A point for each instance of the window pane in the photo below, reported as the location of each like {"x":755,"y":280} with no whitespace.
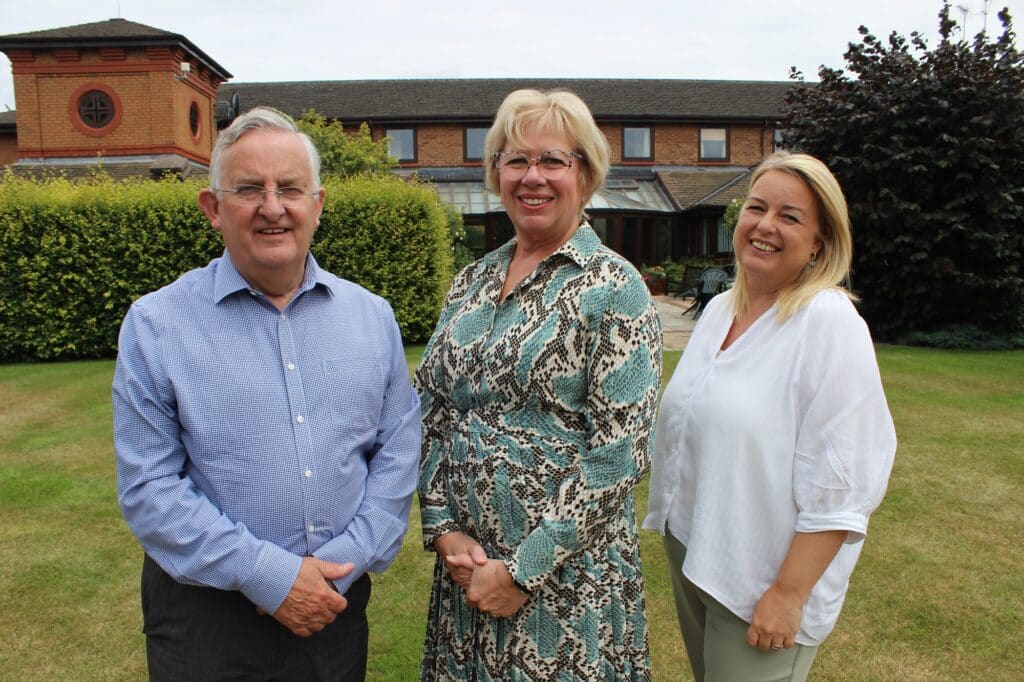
{"x":504,"y":230}
{"x":712,"y":143}
{"x":96,"y":109}
{"x":475,"y":143}
{"x":724,"y":237}
{"x":636,"y":143}
{"x":401,"y":143}
{"x":193,"y":118}
{"x":663,"y":240}
{"x":475,"y":240}
{"x":630,"y":239}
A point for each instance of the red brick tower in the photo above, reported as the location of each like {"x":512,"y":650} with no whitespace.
{"x":135,"y":98}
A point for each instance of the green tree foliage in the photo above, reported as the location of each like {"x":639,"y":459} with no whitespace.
{"x":392,"y":237}
{"x":74,"y":255}
{"x":929,"y":148}
{"x":342,"y":154}
{"x":732,"y":214}
{"x":461,"y":253}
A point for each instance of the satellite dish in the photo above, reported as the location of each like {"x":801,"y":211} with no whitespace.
{"x":235,"y":106}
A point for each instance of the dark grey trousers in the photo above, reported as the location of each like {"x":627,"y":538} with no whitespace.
{"x":201,"y":633}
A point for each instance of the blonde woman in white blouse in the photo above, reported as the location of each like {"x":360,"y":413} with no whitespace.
{"x":774,"y":441}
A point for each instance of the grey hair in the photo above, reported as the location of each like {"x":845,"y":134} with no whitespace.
{"x":260,"y":118}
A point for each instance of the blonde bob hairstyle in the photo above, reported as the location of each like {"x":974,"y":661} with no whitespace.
{"x":832,"y":262}
{"x":556,"y":112}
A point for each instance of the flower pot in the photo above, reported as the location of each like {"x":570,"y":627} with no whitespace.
{"x":658,"y":286}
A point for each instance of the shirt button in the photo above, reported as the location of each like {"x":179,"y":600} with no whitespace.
{"x":300,"y":419}
{"x":283,"y":316}
{"x":312,"y":529}
{"x":291,"y":366}
{"x":309,"y":474}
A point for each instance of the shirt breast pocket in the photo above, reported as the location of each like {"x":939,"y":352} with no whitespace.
{"x":353,"y":387}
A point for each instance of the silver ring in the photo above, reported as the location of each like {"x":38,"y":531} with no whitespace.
{"x":776,"y":647}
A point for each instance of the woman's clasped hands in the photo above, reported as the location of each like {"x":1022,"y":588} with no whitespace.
{"x":488,"y":584}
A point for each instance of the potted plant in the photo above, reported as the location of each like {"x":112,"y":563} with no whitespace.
{"x":656,"y":279}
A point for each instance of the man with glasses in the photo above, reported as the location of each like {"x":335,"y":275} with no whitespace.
{"x":266,"y":432}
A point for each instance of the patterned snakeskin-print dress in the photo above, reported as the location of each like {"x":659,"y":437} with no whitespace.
{"x":538,"y":414}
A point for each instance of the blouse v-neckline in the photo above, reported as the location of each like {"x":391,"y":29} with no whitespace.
{"x":753,"y":330}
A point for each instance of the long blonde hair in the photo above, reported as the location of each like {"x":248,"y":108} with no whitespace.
{"x":832,"y":263}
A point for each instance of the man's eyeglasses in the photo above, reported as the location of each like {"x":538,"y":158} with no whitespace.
{"x":254,"y":195}
{"x":552,"y":164}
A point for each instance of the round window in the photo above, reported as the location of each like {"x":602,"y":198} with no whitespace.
{"x":96,"y":109}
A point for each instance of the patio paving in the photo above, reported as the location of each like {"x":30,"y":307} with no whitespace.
{"x":676,"y":327}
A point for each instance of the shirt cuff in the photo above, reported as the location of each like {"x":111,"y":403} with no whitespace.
{"x":510,"y":566}
{"x":272,"y":578}
{"x":343,"y":550}
{"x":855,"y":523}
{"x":527,"y":585}
{"x":436,"y":523}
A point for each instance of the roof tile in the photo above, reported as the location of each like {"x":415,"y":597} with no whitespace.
{"x":704,"y":187}
{"x":476,"y":100}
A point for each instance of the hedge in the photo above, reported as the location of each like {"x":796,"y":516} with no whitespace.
{"x":75,"y":254}
{"x":392,"y":237}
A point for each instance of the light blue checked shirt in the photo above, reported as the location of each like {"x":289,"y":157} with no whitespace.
{"x":248,"y":438}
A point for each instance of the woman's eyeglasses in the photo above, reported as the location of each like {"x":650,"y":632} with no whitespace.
{"x":551,"y":164}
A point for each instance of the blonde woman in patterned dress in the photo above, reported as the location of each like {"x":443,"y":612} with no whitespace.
{"x":539,"y":389}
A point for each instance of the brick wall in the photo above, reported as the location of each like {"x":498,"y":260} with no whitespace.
{"x":440,"y":145}
{"x":613,"y":134}
{"x":153,"y":105}
{"x":674,"y":144}
{"x":679,"y":144}
{"x":749,"y":144}
{"x":8,"y":149}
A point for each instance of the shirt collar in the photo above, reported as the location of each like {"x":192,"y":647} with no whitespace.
{"x":583,"y":245}
{"x":227,"y":280}
{"x":580,"y":248}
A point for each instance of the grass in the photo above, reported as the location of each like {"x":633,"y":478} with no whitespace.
{"x":938,"y":593}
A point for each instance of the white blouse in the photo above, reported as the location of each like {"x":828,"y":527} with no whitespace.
{"x":786,"y":430}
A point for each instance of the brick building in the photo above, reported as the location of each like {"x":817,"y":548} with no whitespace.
{"x":150,"y":101}
{"x":140,"y":99}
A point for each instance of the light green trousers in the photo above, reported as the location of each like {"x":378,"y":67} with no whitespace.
{"x":716,"y":639}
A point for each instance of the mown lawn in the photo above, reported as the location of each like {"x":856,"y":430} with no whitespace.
{"x":938,"y":594}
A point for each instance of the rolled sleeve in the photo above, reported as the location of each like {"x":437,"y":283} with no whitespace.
{"x":847,"y":442}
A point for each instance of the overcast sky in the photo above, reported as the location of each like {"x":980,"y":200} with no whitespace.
{"x":257,"y":40}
